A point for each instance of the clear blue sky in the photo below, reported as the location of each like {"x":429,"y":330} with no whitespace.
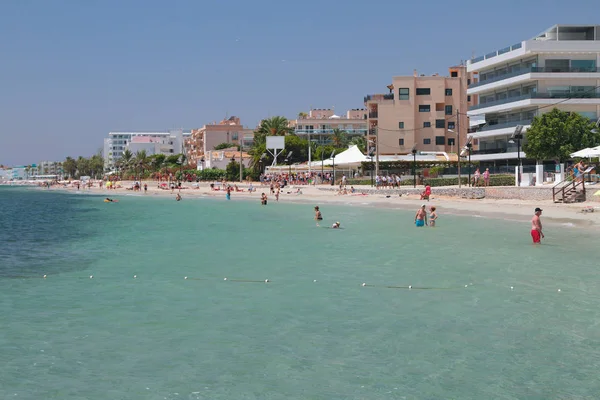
{"x":73,"y":70}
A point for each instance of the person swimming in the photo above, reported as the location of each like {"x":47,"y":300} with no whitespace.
{"x":178,"y":197}
{"x":336,"y":225}
{"x":109,"y":200}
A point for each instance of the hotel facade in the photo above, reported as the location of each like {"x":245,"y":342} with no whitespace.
{"x":557,"y":68}
{"x":203,"y":140}
{"x":168,"y":143}
{"x":424,"y":112}
{"x":318,"y":124}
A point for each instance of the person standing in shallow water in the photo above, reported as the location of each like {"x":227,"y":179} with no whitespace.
{"x":421,"y":216}
{"x":318,"y":215}
{"x":536,"y":227}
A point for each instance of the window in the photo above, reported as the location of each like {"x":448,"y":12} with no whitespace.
{"x":469,"y":98}
{"x":400,"y":142}
{"x":440,"y":140}
{"x":451,"y":124}
{"x":234,"y":136}
{"x":423,"y":91}
{"x":440,"y":123}
{"x":400,"y":125}
{"x":403,"y":94}
{"x":451,"y":142}
{"x":426,"y":141}
{"x":424,"y":108}
{"x":454,"y":74}
{"x":448,"y":92}
{"x":448,"y":110}
{"x":468,"y":81}
{"x":427,"y":124}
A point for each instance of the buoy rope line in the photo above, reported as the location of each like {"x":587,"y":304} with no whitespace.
{"x":364,"y":284}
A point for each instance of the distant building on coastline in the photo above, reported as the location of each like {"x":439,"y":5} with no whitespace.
{"x":319,"y":124}
{"x":557,"y":68}
{"x":420,"y":111}
{"x":168,"y":143}
{"x":203,"y":140}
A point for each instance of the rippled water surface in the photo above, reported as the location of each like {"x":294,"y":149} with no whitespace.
{"x":313,"y":331}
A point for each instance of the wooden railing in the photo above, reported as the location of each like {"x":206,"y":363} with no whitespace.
{"x":566,"y":188}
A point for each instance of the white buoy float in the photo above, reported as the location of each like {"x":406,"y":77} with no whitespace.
{"x":364,"y":284}
{"x":185,"y":277}
{"x":91,"y":276}
{"x":44,"y":276}
{"x":266,"y":281}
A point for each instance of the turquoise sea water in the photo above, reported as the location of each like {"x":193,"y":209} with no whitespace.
{"x":160,"y":336}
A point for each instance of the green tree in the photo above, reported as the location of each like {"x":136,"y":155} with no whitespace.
{"x":126,"y":160}
{"x":274,"y":126}
{"x":361,"y":142}
{"x":302,"y":115}
{"x":157,"y":161}
{"x":70,"y":167}
{"x":339,"y":138}
{"x":232,"y":171}
{"x":222,"y":146}
{"x":557,"y":134}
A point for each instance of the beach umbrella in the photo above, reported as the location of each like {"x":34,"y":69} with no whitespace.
{"x":587,"y":152}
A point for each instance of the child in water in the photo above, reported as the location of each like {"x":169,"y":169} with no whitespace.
{"x":432,"y":217}
{"x":336,"y":225}
{"x":318,"y":216}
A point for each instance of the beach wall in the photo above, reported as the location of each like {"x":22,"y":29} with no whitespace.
{"x":492,"y":192}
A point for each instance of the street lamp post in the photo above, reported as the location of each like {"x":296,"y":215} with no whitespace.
{"x":457,"y":132}
{"x":518,"y":136}
{"x":322,"y":164}
{"x":469,"y":145}
{"x":371,"y":155}
{"x":332,"y":156}
{"x":241,"y":158}
{"x":414,"y":153}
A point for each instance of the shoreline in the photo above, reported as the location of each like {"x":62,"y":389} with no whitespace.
{"x":514,"y":209}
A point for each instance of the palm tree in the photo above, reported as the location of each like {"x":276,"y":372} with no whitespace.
{"x":361,"y":142}
{"x":274,"y":126}
{"x":302,"y":115}
{"x":70,"y":167}
{"x":339,"y":138}
{"x":126,"y":159}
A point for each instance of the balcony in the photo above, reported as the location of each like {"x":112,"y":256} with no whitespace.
{"x":564,"y":95}
{"x":508,"y":124}
{"x":378,"y":97}
{"x":497,"y":150}
{"x":329,"y":131}
{"x":496,"y":53}
{"x":373,"y":114}
{"x":523,"y":71}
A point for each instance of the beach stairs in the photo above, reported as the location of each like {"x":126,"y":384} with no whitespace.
{"x":569,"y":191}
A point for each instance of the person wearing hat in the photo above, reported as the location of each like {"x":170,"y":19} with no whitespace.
{"x":421,"y":216}
{"x":336,"y":225}
{"x":536,"y":227}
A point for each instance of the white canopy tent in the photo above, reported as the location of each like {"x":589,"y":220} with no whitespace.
{"x":587,"y":152}
{"x":352,"y":156}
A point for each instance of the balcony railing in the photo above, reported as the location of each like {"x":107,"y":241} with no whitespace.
{"x":329,"y":131}
{"x":379,"y":97}
{"x":509,"y":149}
{"x":373,"y":114}
{"x":507,"y":124}
{"x":565,"y":95}
{"x":523,"y":71}
{"x":496,"y":53}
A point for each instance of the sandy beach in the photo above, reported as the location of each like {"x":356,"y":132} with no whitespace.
{"x":323,"y":194}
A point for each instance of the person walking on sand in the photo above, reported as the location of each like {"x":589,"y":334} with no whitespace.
{"x":421,"y":216}
{"x":432,"y":217}
{"x":536,"y":227}
{"x":318,"y":215}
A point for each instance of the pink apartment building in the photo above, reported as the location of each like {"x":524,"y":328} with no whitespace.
{"x":421,"y":111}
{"x":203,"y":140}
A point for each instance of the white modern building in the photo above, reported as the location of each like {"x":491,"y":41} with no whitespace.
{"x":559,"y":67}
{"x":168,"y":142}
